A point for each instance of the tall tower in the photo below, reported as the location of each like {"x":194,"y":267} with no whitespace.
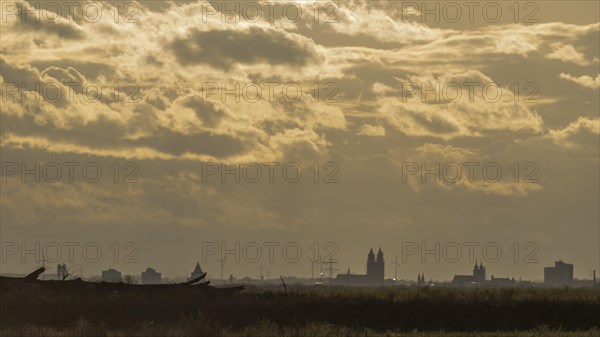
{"x":371,"y":256}
{"x":371,"y":268}
{"x":479,"y":272}
{"x":380,"y":266}
{"x":481,"y":277}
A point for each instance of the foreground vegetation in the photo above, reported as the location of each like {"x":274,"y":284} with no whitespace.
{"x":198,"y":325}
{"x":303,"y":311}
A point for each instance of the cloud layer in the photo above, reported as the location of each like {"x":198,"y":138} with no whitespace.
{"x":171,"y":86}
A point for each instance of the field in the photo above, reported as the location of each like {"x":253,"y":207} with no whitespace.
{"x":36,"y":310}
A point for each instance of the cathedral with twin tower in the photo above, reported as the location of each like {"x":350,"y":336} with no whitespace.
{"x":375,"y":272}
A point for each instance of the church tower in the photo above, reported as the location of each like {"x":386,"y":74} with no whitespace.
{"x":375,"y":268}
{"x":371,"y":264}
{"x":380,"y":266}
{"x":371,"y":256}
{"x":481,"y":275}
{"x":479,"y":272}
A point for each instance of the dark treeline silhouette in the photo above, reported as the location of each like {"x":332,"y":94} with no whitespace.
{"x":56,"y":303}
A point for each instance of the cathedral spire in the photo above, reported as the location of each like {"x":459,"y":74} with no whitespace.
{"x":380,"y":255}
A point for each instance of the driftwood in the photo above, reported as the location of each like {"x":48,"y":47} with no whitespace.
{"x":194,"y":280}
{"x":78,"y":283}
{"x":35,"y":274}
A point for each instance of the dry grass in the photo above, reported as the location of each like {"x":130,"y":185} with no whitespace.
{"x":301,"y":311}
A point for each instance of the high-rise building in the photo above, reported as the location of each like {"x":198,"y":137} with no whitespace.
{"x":150,"y":276}
{"x":559,"y":275}
{"x":111,"y":275}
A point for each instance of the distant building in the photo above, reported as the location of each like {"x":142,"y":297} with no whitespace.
{"x":111,"y":275}
{"x":150,"y":276}
{"x":375,"y":273}
{"x":502,"y":281}
{"x":376,"y":268}
{"x":559,"y":275}
{"x":477,"y":277}
{"x":421,"y":279}
{"x":197,"y":272}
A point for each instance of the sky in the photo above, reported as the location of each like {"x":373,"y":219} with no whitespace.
{"x":268,"y":135}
